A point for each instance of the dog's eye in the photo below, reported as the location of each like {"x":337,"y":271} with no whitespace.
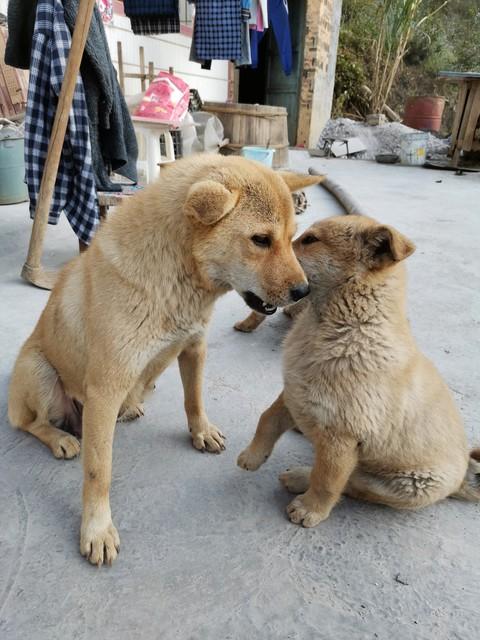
{"x":310,"y":239}
{"x":261,"y":241}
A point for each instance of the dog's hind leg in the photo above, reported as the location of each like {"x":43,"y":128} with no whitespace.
{"x":400,"y":490}
{"x":250,"y":323}
{"x":37,"y":399}
{"x":272,"y":424}
{"x":296,"y":480}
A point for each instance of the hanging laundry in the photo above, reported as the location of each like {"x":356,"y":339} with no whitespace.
{"x":150,"y":17}
{"x":21,"y":22}
{"x":259,"y":14}
{"x":74,"y":191}
{"x":278,"y":19}
{"x":264,"y":11}
{"x":246,"y":57}
{"x":217,"y":31}
{"x":106,"y":10}
{"x":112,"y":136}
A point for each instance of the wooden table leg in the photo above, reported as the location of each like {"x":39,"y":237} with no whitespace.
{"x":33,"y":271}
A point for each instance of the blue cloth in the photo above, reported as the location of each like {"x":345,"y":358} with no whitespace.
{"x":217,"y":31}
{"x":278,"y":20}
{"x":150,"y":7}
{"x":74,"y":192}
{"x":246,"y":58}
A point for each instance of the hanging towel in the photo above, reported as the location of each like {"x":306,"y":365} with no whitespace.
{"x":217,"y":31}
{"x":150,"y":17}
{"x":112,"y":137}
{"x":75,"y":185}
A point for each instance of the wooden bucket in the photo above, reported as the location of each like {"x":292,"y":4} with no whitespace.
{"x":253,"y":125}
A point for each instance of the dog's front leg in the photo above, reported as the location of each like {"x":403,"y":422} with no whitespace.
{"x":191,"y":361}
{"x":272,"y":424}
{"x":336,"y":457}
{"x":99,"y":540}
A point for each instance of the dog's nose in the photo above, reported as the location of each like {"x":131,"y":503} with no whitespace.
{"x":299,"y":292}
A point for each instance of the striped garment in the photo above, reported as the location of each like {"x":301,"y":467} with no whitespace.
{"x":74,"y":192}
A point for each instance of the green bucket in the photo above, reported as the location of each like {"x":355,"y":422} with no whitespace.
{"x":12,"y":166}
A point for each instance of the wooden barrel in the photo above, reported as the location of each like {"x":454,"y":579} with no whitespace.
{"x":253,"y":125}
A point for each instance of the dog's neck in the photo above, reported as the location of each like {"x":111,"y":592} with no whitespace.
{"x":165,"y":244}
{"x":361,"y":300}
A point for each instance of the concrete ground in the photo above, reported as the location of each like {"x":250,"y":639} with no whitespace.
{"x":207,"y":550}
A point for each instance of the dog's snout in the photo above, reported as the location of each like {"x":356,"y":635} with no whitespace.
{"x":299,"y":291}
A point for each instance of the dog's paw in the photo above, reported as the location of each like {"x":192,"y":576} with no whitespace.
{"x":244,"y":326}
{"x":131,"y":413}
{"x":251,"y":460}
{"x":208,"y":438}
{"x":300,"y":512}
{"x":65,"y":447}
{"x":296,"y":480}
{"x":99,"y":544}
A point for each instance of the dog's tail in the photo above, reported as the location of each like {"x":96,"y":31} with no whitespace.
{"x":470,"y":487}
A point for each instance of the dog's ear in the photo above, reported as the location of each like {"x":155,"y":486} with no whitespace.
{"x":383,"y":245}
{"x":209,"y":201}
{"x":298,"y":181}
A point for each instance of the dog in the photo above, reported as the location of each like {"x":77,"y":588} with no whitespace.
{"x":382,"y":422}
{"x":140,"y":297}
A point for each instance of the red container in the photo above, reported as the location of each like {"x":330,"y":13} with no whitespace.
{"x":424,"y":113}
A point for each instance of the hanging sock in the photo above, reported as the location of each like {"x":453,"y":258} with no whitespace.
{"x":74,"y":190}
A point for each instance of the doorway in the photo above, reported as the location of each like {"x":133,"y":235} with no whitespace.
{"x":268,"y":84}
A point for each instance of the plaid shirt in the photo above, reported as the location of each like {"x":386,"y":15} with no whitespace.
{"x":75,"y":185}
{"x":217,"y":32}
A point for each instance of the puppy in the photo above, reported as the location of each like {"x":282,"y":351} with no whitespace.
{"x":139,"y":298}
{"x":382,"y":422}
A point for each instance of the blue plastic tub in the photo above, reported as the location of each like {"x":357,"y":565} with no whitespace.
{"x":260,"y":154}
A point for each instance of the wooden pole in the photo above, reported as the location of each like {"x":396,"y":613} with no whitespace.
{"x":121,"y":75}
{"x":142,"y":69}
{"x":32,"y":270}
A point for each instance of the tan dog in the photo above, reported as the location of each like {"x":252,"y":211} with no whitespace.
{"x":142,"y":296}
{"x":382,"y":421}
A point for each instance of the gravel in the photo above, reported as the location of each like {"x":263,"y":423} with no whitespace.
{"x":384,"y":138}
